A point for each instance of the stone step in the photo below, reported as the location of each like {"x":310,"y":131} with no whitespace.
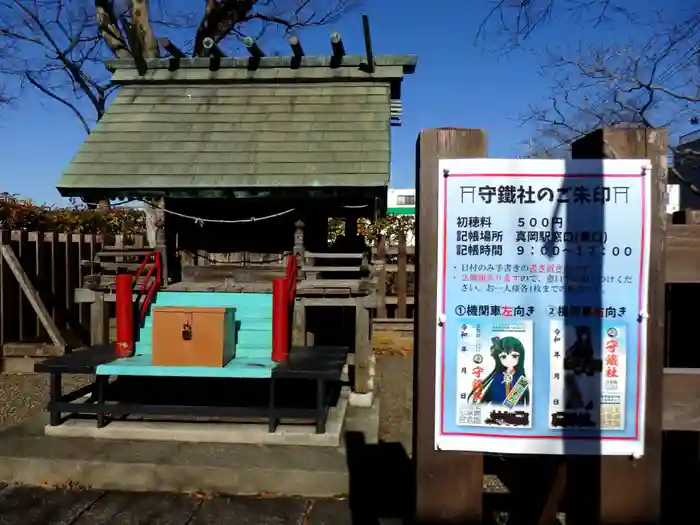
{"x":29,"y":457}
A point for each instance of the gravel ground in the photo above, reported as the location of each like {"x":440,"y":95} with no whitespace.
{"x":395,"y":393}
{"x":23,"y":396}
{"x":395,"y":370}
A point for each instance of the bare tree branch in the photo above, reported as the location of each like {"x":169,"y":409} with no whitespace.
{"x":59,"y":47}
{"x":63,"y":101}
{"x":144,"y":30}
{"x":225,"y":18}
{"x":510,"y":23}
{"x":649,"y":83}
{"x":109,"y":28}
{"x":219,"y":21}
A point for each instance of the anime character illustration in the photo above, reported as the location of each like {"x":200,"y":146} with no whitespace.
{"x":588,"y":363}
{"x":508,"y":354}
{"x":579,"y":359}
{"x":494,"y":367}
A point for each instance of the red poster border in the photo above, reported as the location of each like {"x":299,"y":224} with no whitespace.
{"x":639,"y":301}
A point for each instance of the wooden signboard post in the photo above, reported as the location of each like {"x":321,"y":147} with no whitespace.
{"x":598,"y":460}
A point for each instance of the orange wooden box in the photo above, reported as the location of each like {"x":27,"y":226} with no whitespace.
{"x":193,"y":336}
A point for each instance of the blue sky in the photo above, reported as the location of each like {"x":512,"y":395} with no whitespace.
{"x":456,"y":84}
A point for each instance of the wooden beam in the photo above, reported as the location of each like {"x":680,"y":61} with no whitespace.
{"x":113,"y":266}
{"x":617,"y":489}
{"x":392,"y":325}
{"x":395,"y":300}
{"x":253,"y":48}
{"x":320,"y":255}
{"x":368,"y":44}
{"x":367,"y":301}
{"x":390,"y":268}
{"x":681,"y":395}
{"x":32,"y":295}
{"x":683,"y":253}
{"x":449,"y":485}
{"x":297,"y":51}
{"x":338,"y":49}
{"x":214,"y":62}
{"x":345,"y":269}
{"x":394,"y":250}
{"x":171,"y":48}
{"x":30,"y":350}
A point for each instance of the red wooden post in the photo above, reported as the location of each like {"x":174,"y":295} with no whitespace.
{"x":280,"y":319}
{"x":125,"y":315}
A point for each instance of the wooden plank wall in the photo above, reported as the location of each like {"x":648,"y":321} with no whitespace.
{"x":52,"y":262}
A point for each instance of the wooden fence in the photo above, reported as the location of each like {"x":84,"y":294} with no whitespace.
{"x":54,"y":265}
{"x":53,"y":262}
{"x":395,"y":269}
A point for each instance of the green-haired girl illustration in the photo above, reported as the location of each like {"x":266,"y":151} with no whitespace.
{"x":509,"y":356}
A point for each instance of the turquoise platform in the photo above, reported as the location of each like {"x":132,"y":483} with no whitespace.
{"x":254,"y":339}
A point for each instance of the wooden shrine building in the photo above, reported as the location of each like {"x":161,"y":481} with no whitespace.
{"x":239,"y":143}
{"x":244,"y":160}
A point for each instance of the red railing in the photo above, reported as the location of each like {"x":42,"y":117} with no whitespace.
{"x":126,"y":332}
{"x":291,"y":276}
{"x":283,"y":295}
{"x":148,"y":286}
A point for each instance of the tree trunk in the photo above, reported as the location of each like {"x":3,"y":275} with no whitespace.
{"x":219,"y":19}
{"x":110,"y":30}
{"x":144,"y":30}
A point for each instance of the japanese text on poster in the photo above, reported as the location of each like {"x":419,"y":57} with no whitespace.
{"x":542,"y":289}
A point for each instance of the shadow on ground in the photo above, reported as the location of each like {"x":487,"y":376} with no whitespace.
{"x":381,"y":481}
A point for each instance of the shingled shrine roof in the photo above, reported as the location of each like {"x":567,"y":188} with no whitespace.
{"x":187,"y":124}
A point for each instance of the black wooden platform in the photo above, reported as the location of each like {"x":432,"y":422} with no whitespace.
{"x":301,"y":389}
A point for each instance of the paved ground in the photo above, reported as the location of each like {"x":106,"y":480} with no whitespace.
{"x":24,"y":396}
{"x":396,"y":398}
{"x":38,"y":506}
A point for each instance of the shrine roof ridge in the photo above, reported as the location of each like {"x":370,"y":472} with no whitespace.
{"x":408,"y":62}
{"x":388,"y":67}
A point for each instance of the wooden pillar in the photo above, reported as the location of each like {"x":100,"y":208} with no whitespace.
{"x":627,"y":490}
{"x":363,"y":348}
{"x":161,"y":242}
{"x":299,"y":248}
{"x":299,"y":336}
{"x":99,"y":320}
{"x":152,"y":217}
{"x":401,"y":278}
{"x":381,"y":278}
{"x":449,"y":485}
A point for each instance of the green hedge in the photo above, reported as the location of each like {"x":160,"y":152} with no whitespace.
{"x":23,"y":214}
{"x":391,"y":227}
